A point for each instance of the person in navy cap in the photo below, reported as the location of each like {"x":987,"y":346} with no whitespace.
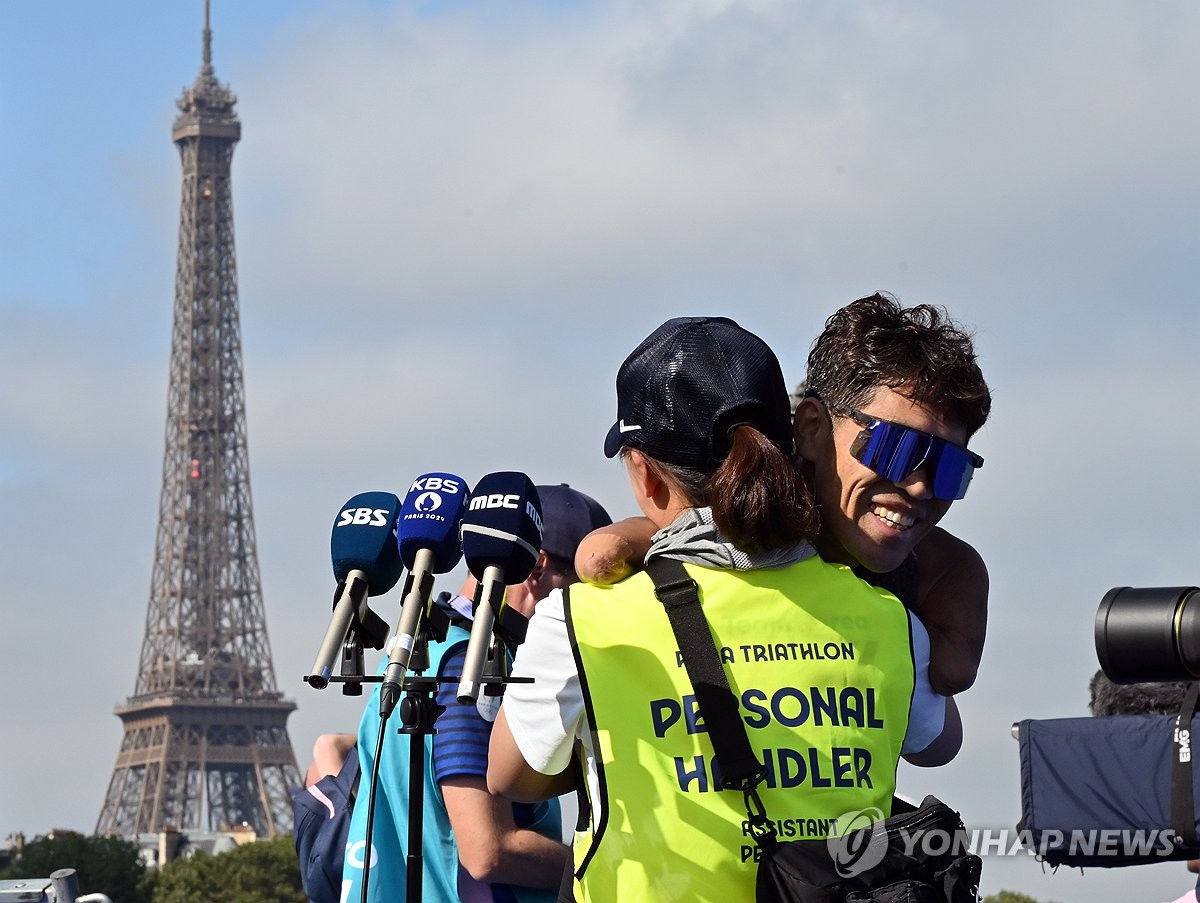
{"x":828,"y":674}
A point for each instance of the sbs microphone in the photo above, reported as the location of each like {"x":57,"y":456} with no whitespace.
{"x":501,"y":538}
{"x":428,"y":543}
{"x":366,"y":563}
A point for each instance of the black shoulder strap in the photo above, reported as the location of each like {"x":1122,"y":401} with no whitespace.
{"x":1183,"y":808}
{"x":680,"y":597}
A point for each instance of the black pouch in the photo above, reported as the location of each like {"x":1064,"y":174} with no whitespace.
{"x":925,"y":859}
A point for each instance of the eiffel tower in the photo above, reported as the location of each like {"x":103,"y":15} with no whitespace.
{"x":206,"y":747}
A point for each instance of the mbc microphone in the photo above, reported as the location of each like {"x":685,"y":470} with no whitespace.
{"x":501,"y":539}
{"x":428,"y":544}
{"x":366,"y":563}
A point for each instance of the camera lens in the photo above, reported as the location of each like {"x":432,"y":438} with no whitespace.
{"x":1149,"y":634}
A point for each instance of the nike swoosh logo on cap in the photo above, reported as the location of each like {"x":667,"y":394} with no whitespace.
{"x":626,"y":429}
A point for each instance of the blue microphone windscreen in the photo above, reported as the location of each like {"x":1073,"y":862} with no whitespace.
{"x":503,"y":526}
{"x":429,"y":519}
{"x":364,"y":539}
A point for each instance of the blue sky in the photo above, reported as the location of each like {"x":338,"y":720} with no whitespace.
{"x":454,"y":221}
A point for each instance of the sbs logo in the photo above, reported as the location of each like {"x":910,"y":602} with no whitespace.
{"x":375,"y":517}
{"x":861,"y":843}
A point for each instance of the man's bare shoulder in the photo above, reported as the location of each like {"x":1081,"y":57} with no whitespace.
{"x":941,"y":553}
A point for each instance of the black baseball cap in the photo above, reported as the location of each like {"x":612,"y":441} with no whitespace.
{"x":689,"y":383}
{"x":568,"y":515}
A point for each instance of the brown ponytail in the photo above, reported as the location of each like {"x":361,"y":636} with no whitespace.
{"x":758,"y":498}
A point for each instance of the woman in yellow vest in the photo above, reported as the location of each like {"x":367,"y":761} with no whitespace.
{"x":831,"y":674}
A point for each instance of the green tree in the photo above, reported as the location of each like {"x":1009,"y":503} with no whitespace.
{"x":1008,"y":896}
{"x":104,"y":865}
{"x":265,"y":871}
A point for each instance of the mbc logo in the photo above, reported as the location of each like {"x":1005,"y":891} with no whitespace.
{"x":511,"y":500}
{"x":495,"y":500}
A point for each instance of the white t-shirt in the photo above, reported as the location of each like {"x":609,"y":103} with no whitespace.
{"x":546,"y":715}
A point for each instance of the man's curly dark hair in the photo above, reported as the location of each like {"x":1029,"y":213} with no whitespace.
{"x":919,"y":350}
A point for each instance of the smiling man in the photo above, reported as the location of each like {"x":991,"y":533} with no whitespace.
{"x":891,"y":399}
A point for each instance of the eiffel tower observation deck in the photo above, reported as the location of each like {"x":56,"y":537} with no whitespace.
{"x":206,"y":746}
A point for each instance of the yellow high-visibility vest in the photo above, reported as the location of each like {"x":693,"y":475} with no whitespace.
{"x":822,"y":666}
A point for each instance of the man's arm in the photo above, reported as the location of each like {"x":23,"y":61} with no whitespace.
{"x":329,"y":754}
{"x":509,"y":775}
{"x":952,"y":597}
{"x":545,"y":713}
{"x":490,"y":845}
{"x":933,"y":735}
{"x":612,"y":553}
{"x":492,"y":848}
{"x":947,"y":744}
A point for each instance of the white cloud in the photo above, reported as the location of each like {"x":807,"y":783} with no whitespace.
{"x":452,"y":226}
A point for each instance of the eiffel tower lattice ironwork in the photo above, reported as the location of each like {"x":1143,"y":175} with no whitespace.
{"x":206,"y":746}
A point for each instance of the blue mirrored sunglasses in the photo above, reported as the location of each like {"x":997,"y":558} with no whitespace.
{"x":894,"y":451}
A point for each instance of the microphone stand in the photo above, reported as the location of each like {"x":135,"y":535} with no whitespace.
{"x":351,"y":669}
{"x":508,"y":632}
{"x":419,"y":709}
{"x":371,"y":631}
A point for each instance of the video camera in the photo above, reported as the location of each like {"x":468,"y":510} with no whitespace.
{"x":1149,"y":634}
{"x":1118,"y":790}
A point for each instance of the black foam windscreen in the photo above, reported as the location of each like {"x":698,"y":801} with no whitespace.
{"x":364,"y":539}
{"x":502,"y":526}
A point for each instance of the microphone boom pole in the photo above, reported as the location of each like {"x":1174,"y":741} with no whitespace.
{"x":352,"y":596}
{"x":490,"y":599}
{"x":412,"y":609}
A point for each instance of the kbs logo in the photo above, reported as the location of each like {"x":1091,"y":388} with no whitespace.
{"x":363,"y":517}
{"x":435,"y":484}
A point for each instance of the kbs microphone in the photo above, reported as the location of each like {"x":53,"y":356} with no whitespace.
{"x":502,"y":538}
{"x":428,"y":542}
{"x":366,"y":563}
